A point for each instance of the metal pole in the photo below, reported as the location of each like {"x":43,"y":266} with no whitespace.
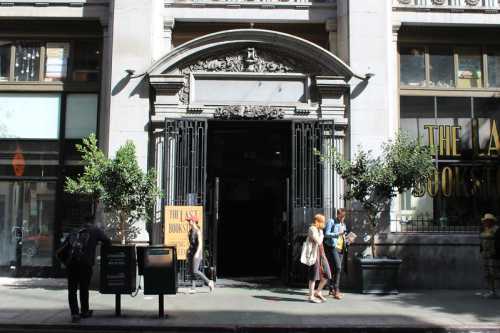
{"x":118,"y":305}
{"x":161,"y":311}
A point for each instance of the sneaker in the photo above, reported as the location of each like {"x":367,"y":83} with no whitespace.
{"x":491,"y":295}
{"x":75,"y":318}
{"x":192,"y":291}
{"x":87,"y":314}
{"x":211,"y":285}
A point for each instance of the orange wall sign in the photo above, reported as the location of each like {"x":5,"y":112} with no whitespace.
{"x":176,"y":227}
{"x":18,"y":163}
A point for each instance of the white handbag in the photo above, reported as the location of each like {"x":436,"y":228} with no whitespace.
{"x":308,"y":253}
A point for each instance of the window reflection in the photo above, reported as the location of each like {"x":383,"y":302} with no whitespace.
{"x":494,"y":68}
{"x":412,"y":66}
{"x":27,"y":66}
{"x":467,"y":181}
{"x":469,"y":68}
{"x":27,"y":214}
{"x":441,"y":67}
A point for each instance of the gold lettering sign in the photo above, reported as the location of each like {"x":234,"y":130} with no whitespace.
{"x":176,"y":227}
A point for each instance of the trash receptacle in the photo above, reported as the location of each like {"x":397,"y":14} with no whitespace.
{"x":160,"y":272}
{"x":118,"y":269}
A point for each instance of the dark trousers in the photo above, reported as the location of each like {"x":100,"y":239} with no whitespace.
{"x":329,"y":256}
{"x":79,"y":276}
{"x":335,"y":261}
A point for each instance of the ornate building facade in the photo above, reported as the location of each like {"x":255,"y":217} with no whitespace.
{"x":227,"y":99}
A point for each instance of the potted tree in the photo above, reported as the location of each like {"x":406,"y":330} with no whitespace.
{"x":372,"y":182}
{"x":126,"y":193}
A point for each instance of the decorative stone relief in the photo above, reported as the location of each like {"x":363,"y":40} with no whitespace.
{"x":438,"y":2}
{"x":249,"y":112}
{"x":404,"y":2}
{"x":250,"y":60}
{"x":472,"y":2}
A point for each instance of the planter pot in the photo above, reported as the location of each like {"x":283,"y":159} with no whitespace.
{"x":379,"y":275}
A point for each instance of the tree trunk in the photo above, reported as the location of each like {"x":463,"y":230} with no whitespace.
{"x":123,"y":223}
{"x":371,"y":219}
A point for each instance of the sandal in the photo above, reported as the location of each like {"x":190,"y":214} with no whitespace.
{"x":321,"y":297}
{"x":314,"y":300}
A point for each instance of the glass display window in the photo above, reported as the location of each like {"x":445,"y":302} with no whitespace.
{"x":441,"y":67}
{"x":56,"y":61}
{"x":412,"y":66}
{"x":86,"y":60}
{"x":470,"y":68}
{"x":5,"y":51}
{"x":81,"y":115}
{"x":465,"y":135}
{"x":27,"y":61}
{"x":493,"y":58}
{"x":27,"y":215}
{"x":29,"y":115}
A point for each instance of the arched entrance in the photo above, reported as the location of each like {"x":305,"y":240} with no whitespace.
{"x":235,"y":116}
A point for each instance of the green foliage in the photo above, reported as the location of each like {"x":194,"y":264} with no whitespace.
{"x":373,"y":181}
{"x":124,"y":190}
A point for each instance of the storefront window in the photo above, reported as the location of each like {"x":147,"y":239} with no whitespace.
{"x":441,"y":67}
{"x":29,"y":158}
{"x":27,"y":66}
{"x":56,"y":61}
{"x":26,"y":221}
{"x":81,"y":115}
{"x":412,"y":71}
{"x":464,"y":133}
{"x":469,"y":68}
{"x":29,"y":116}
{"x":87,"y":59}
{"x":494,"y":68}
{"x":4,"y":60}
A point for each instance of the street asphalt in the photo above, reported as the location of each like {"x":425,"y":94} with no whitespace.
{"x":40,"y":305}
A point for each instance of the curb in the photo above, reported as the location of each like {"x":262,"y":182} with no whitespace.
{"x":74,"y":328}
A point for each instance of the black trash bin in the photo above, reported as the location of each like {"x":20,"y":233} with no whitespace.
{"x":160,"y":270}
{"x":118,"y":269}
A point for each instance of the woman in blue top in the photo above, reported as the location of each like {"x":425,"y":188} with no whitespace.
{"x":335,"y":231}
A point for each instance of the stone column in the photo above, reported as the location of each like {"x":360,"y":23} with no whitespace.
{"x":331,"y":28}
{"x":107,"y":45}
{"x":394,"y":124}
{"x":338,"y":182}
{"x":168,"y":27}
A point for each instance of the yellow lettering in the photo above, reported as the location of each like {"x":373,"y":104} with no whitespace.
{"x":494,"y":144}
{"x":433,"y":184}
{"x":444,"y":140}
{"x":455,"y":140}
{"x":446,"y":181}
{"x":430,"y":137}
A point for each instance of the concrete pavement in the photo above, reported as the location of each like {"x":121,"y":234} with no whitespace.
{"x":41,"y":305}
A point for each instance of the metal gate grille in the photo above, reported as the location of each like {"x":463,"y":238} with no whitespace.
{"x":307,"y":190}
{"x":181,"y":166}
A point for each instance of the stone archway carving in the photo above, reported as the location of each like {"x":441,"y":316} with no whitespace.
{"x":264,"y":54}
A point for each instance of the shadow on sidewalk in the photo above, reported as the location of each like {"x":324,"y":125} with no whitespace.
{"x":458,"y":302}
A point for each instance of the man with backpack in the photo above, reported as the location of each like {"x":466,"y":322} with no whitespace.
{"x":78,"y":255}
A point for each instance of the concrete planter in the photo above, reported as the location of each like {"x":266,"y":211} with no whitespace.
{"x":379,"y":275}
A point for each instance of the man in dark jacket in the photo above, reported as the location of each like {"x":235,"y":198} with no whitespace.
{"x":79,"y":269}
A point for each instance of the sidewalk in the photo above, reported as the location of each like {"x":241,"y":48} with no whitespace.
{"x":41,"y":305}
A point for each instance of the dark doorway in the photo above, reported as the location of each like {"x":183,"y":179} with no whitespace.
{"x":252,"y":161}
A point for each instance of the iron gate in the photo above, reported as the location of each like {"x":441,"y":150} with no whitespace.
{"x":180,"y":160}
{"x":308,"y":187}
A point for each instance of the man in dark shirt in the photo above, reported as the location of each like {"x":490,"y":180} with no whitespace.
{"x":80,"y":271}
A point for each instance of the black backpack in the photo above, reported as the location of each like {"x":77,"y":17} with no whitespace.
{"x":73,"y":247}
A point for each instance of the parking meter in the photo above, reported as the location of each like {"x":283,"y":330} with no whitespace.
{"x":160,"y":270}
